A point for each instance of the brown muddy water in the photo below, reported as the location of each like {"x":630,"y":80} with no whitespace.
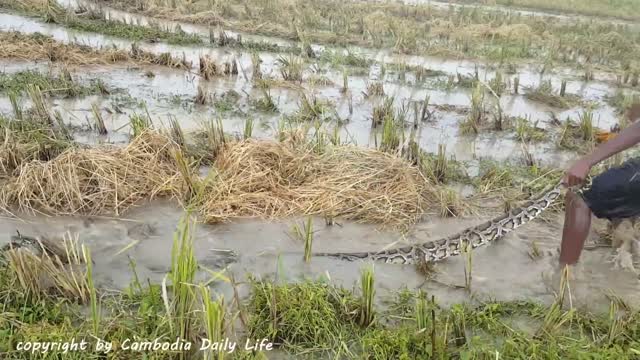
{"x":501,"y":271}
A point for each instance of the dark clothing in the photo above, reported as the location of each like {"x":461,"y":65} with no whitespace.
{"x":615,"y":194}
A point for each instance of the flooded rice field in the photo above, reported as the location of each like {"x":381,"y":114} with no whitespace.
{"x":117,"y":120}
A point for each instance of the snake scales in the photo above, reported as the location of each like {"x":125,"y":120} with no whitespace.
{"x":39,"y":245}
{"x":483,"y":234}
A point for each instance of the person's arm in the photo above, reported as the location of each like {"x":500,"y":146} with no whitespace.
{"x":627,"y":138}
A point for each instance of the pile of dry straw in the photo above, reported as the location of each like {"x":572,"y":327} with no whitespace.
{"x":265,"y":179}
{"x":105,"y":180}
{"x":276,"y":179}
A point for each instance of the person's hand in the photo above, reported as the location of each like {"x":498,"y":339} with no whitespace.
{"x":634,"y":112}
{"x":577,"y":173}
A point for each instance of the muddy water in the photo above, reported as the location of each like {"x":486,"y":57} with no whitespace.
{"x":385,"y":56}
{"x":528,"y":74}
{"x":142,"y":20}
{"x":9,"y":22}
{"x":159,"y":91}
{"x":503,"y":271}
{"x":493,"y":146}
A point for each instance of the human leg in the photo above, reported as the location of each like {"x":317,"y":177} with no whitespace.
{"x":614,"y":195}
{"x":577,"y":223}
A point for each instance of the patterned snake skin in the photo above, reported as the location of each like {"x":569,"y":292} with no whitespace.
{"x":483,"y":234}
{"x":40,"y":246}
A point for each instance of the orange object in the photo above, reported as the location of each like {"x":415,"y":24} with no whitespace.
{"x":604,"y":136}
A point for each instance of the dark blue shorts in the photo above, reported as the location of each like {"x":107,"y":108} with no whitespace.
{"x":615,"y":194}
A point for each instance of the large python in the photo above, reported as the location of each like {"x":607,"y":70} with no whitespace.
{"x":483,"y":234}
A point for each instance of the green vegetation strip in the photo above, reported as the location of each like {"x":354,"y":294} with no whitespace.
{"x":99,"y":25}
{"x":55,"y":84}
{"x":318,"y":317}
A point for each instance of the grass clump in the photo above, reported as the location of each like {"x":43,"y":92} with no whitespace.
{"x":579,"y":135}
{"x":545,"y":94}
{"x":28,"y":139}
{"x":527,"y":131}
{"x":208,"y":67}
{"x":29,"y":136}
{"x":515,"y":182}
{"x":345,"y":58}
{"x":97,"y":24}
{"x":304,"y":316}
{"x":266,"y":103}
{"x":314,"y":318}
{"x":51,"y":274}
{"x":383,"y":111}
{"x":440,"y":169}
{"x":366,"y":314}
{"x":38,"y":312}
{"x":375,"y":88}
{"x":54,"y":84}
{"x":311,"y":109}
{"x":305,"y":234}
{"x":622,"y":101}
{"x":291,"y":68}
{"x":475,"y":119}
{"x":392,"y":133}
{"x":402,"y":344}
{"x":182,"y":275}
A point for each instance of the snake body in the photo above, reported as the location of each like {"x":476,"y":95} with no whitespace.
{"x":474,"y":237}
{"x":38,"y":245}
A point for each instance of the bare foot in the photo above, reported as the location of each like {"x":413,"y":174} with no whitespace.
{"x":554,"y":277}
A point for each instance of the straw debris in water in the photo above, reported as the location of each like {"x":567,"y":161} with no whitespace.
{"x":41,"y":47}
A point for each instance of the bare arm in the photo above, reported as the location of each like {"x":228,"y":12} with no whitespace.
{"x":626,"y":139}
